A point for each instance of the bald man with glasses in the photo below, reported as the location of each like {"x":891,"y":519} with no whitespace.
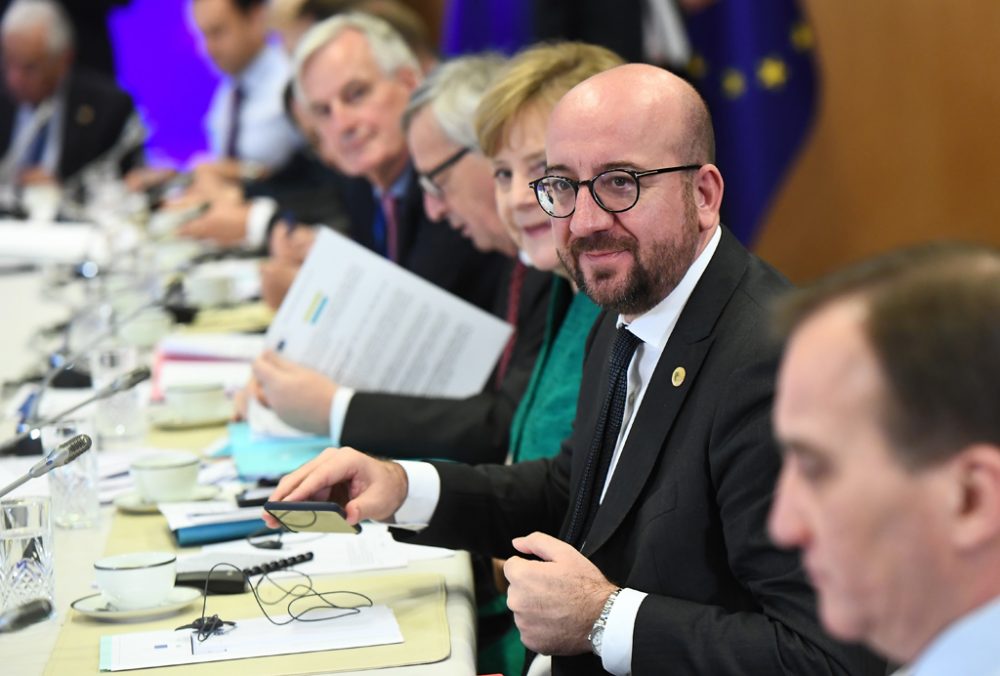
{"x":642,"y":547}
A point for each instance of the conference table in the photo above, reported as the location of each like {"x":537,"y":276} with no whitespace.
{"x":30,"y":651}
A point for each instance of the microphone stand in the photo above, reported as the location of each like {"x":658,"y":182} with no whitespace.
{"x":120,"y":384}
{"x":32,"y":413}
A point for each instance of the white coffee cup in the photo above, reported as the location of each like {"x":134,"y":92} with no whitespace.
{"x":136,"y":580}
{"x":209,"y":288}
{"x":169,"y":476}
{"x":195,"y":402}
{"x":147,"y":328}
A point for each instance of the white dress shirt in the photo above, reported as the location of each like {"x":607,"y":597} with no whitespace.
{"x":654,"y":329}
{"x":969,"y":646}
{"x":27,"y":121}
{"x":266,"y":135}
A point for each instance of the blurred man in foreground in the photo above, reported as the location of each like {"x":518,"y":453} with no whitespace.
{"x":887,"y":411}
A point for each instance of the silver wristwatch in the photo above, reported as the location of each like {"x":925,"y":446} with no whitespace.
{"x":596,"y":636}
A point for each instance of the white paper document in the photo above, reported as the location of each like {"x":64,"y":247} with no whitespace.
{"x":369,"y":324}
{"x":188,"y":514}
{"x":233,"y":346}
{"x":51,"y":242}
{"x":250,"y":638}
{"x":231,"y":375}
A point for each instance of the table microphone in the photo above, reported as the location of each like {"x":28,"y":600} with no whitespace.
{"x":64,"y":453}
{"x":24,"y":615}
{"x":126,"y":381}
{"x":171,"y":292}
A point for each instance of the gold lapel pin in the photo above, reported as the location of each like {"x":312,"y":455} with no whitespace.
{"x":678,"y":376}
{"x":84,"y":115}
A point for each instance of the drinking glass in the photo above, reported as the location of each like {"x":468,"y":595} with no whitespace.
{"x":120,"y":418}
{"x":73,"y":486}
{"x":26,"y":570}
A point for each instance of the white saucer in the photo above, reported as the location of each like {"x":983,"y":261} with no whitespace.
{"x":164,"y":418}
{"x":97,"y":606}
{"x":131,"y":503}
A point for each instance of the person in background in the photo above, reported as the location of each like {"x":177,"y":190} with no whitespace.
{"x":93,"y":46}
{"x":248,"y":131}
{"x":886,"y":412}
{"x":259,"y":215}
{"x":510,"y":125}
{"x":642,"y":545}
{"x":249,"y":135}
{"x":457,"y":185}
{"x":56,"y":120}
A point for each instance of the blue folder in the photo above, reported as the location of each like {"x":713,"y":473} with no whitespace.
{"x":271,"y":457}
{"x":216,"y":532}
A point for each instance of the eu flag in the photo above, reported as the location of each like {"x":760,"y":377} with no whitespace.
{"x":479,"y":25}
{"x":752,"y":61}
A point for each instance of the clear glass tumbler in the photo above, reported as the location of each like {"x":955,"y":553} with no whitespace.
{"x":120,"y":418}
{"x":26,"y":570}
{"x":73,"y":486}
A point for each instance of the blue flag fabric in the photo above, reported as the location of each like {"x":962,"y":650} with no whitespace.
{"x":753,"y":63}
{"x":480,"y":25}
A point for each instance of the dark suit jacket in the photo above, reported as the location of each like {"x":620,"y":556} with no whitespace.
{"x":95,"y":113}
{"x":475,"y":429}
{"x":305,"y":187}
{"x":685,"y":512}
{"x":427,"y":248}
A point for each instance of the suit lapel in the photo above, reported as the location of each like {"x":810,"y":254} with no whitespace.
{"x":687,"y":348}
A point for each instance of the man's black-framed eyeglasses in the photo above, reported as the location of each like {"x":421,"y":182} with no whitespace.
{"x":427,"y":179}
{"x":615,"y":190}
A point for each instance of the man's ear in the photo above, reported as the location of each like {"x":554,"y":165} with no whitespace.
{"x":975,"y":518}
{"x":708,"y":188}
{"x":408,"y":77}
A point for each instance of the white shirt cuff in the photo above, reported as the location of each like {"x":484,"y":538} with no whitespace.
{"x":616,"y":646}
{"x":338,"y":412}
{"x":261,"y":211}
{"x":421,"y":497}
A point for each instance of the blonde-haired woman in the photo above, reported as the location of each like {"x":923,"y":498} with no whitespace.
{"x":510,"y":124}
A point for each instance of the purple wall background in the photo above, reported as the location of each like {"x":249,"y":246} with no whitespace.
{"x":159,"y":62}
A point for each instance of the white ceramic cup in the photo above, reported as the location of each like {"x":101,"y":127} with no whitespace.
{"x":209,"y":288}
{"x":147,"y":327}
{"x":170,"y":476}
{"x":136,"y":580}
{"x":195,"y":402}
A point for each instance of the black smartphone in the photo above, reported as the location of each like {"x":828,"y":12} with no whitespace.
{"x":254,"y":497}
{"x":311,"y":517}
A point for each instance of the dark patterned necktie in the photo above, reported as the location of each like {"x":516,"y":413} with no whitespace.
{"x":389,"y":212}
{"x":513,"y":309}
{"x":233,"y":139}
{"x":602,"y":446}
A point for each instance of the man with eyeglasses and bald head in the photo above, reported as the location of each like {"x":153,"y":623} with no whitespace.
{"x":642,"y":547}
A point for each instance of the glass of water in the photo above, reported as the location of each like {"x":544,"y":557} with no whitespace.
{"x":74,"y":485}
{"x":120,"y":418}
{"x":25,"y":552}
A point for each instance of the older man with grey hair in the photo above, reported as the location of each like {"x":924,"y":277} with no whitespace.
{"x":55,"y":120}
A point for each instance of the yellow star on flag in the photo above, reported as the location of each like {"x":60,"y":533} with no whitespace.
{"x":697,"y":66}
{"x":772,"y":73}
{"x":733,"y":83}
{"x":802,"y":36}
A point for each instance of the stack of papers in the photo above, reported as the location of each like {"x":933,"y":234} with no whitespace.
{"x":195,"y":523}
{"x":205,"y":359}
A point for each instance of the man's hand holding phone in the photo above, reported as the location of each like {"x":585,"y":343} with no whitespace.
{"x":366,"y":487}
